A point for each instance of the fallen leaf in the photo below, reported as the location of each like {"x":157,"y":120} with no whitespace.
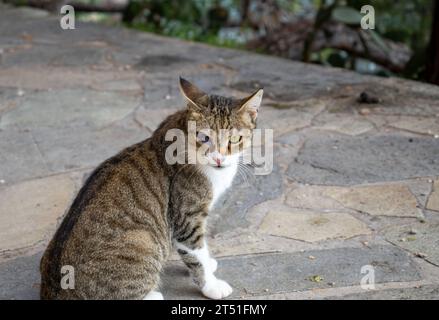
{"x":316,"y":278}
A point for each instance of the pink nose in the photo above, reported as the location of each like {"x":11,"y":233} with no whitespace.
{"x":218,"y":162}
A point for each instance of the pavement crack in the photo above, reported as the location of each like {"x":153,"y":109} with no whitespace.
{"x":315,"y":166}
{"x":40,"y":152}
{"x":412,"y":253}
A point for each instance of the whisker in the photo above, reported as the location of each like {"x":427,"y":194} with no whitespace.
{"x":243,"y":177}
{"x":245,"y":173}
{"x":246,"y":169}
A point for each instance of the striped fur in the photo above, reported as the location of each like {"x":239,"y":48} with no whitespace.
{"x":124,"y":221}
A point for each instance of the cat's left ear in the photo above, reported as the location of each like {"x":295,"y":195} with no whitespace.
{"x":196,"y":97}
{"x":252,"y":103}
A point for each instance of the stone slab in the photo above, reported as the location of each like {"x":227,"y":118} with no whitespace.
{"x":20,"y":156}
{"x":76,"y":147}
{"x":19,"y":278}
{"x":290,"y":118}
{"x":421,"y":189}
{"x":428,"y":126}
{"x":284,"y":84}
{"x":378,"y":200}
{"x":427,"y":292}
{"x":311,"y":226}
{"x":421,"y":240}
{"x":341,"y":160}
{"x":70,"y":107}
{"x":151,"y":118}
{"x":252,"y":275}
{"x":37,"y":54}
{"x":343,"y":123}
{"x":60,"y":77}
{"x":312,"y":197}
{"x":396,"y":98}
{"x":29,"y":210}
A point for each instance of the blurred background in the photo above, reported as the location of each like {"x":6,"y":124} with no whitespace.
{"x":404,"y":43}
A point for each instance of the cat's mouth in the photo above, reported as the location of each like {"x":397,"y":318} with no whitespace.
{"x":218,"y":167}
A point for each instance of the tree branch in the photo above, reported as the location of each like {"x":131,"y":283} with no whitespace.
{"x":288,"y":41}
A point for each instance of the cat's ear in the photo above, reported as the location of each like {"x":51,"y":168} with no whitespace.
{"x":252,"y":103}
{"x":195,"y":96}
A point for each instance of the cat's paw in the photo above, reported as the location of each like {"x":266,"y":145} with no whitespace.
{"x":213,"y":265}
{"x":153,"y":295}
{"x":216,"y":289}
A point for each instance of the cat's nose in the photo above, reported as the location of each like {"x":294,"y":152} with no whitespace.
{"x":218,"y":158}
{"x":218,"y":161}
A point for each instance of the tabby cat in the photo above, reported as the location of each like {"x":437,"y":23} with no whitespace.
{"x":136,"y":206}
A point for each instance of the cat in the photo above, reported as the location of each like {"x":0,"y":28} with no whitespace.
{"x":135,"y":207}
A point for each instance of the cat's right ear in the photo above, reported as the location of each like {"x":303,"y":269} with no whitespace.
{"x":196,"y":97}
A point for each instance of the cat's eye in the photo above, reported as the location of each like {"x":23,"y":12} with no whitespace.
{"x":235,"y":139}
{"x":203,"y":138}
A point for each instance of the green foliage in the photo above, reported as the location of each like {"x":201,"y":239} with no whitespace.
{"x":197,"y":20}
{"x":347,"y":15}
{"x":408,"y":22}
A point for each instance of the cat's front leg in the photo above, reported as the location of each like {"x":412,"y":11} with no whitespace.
{"x":202,"y":268}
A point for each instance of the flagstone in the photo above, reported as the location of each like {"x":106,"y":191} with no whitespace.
{"x":344,"y":123}
{"x":29,"y":211}
{"x":313,"y":197}
{"x":378,"y":200}
{"x":310,"y":226}
{"x":420,"y":239}
{"x":335,"y":159}
{"x":70,"y":107}
{"x":428,"y":125}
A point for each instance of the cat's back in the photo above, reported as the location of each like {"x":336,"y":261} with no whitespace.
{"x":117,"y":219}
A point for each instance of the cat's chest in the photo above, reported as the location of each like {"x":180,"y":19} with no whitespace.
{"x":220,"y":180}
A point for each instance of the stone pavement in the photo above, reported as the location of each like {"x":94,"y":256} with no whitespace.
{"x":353,"y":184}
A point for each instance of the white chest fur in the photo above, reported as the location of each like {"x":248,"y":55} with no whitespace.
{"x":220,"y":179}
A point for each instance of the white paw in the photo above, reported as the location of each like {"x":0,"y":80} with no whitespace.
{"x":216,"y":289}
{"x":153,"y":295}
{"x":213,"y":265}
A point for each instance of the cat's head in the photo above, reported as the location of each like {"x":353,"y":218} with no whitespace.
{"x":224,"y":125}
